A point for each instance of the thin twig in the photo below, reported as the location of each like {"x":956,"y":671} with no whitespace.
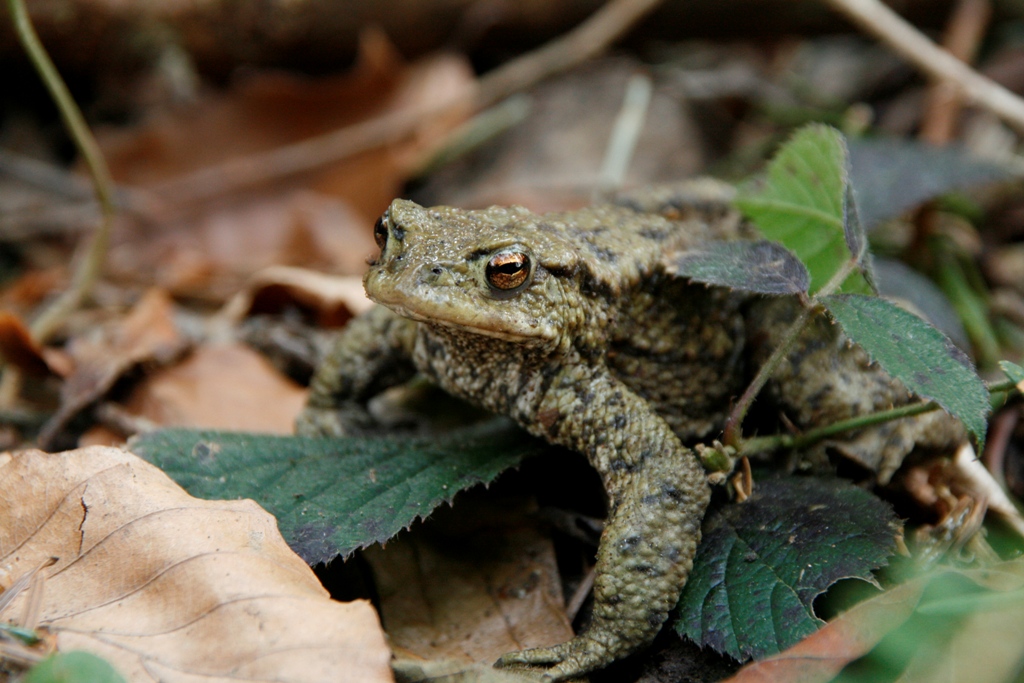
{"x":881,"y":22}
{"x":72,"y":186}
{"x":625,"y":133}
{"x":91,"y":261}
{"x":587,"y":40}
{"x":45,"y":176}
{"x":592,"y":36}
{"x":965,"y":30}
{"x":485,"y":126}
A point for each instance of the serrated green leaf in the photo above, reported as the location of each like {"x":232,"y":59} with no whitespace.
{"x":758,"y":267}
{"x":73,"y":667}
{"x":1014,"y":372}
{"x":891,"y":176}
{"x":897,"y":280}
{"x":913,"y":351}
{"x":333,"y":496}
{"x":761,"y":563}
{"x":803,"y":204}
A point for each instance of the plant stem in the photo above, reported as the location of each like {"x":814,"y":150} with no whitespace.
{"x":732,"y":434}
{"x":47,"y":322}
{"x":770,"y":443}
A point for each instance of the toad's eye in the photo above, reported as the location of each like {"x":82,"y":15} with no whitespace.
{"x":380,"y":232}
{"x":508,"y":270}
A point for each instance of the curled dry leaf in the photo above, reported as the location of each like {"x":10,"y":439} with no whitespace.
{"x":148,"y":333}
{"x":331,"y":299}
{"x":168,"y":587}
{"x":941,"y":484}
{"x":18,"y":349}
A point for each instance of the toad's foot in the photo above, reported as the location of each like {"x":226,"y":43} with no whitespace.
{"x":349,"y":420}
{"x":572,"y":659}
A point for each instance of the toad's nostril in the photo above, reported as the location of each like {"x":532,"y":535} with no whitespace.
{"x":436,"y":275}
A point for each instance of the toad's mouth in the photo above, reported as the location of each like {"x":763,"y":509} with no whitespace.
{"x":505,"y":327}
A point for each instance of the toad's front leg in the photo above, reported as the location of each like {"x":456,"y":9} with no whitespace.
{"x":658,"y":494}
{"x":372,"y":353}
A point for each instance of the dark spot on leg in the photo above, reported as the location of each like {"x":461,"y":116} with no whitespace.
{"x":647,"y":570}
{"x":629,"y":544}
{"x":620,"y":465}
{"x":653,"y":234}
{"x":670,"y":491}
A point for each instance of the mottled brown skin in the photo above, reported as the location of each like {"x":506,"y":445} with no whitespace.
{"x":596,"y":349}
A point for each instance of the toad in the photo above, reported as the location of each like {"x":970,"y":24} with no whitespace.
{"x":572,"y":325}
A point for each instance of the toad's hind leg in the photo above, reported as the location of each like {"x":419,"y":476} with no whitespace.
{"x":658,"y":494}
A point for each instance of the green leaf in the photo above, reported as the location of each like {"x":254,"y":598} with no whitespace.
{"x":891,"y":176}
{"x":73,"y":667}
{"x":1013,"y":371}
{"x":897,"y":280}
{"x":334,"y":496}
{"x":917,"y":354}
{"x":758,"y":267}
{"x":761,"y":563}
{"x":804,"y":204}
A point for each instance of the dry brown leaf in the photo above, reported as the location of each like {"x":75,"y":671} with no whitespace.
{"x":168,"y":587}
{"x":220,"y":386}
{"x":478,"y":582}
{"x":823,"y":654}
{"x":210,"y":256}
{"x":449,"y":671}
{"x":322,"y":218}
{"x":331,"y":300}
{"x":18,"y":348}
{"x":147,"y":333}
{"x":260,"y":111}
{"x":25,"y":292}
{"x":981,"y":650}
{"x":942,"y":485}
